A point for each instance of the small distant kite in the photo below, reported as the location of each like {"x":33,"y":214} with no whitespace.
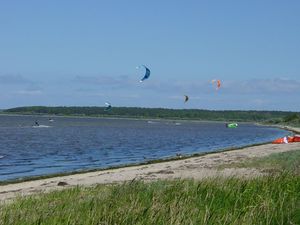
{"x":147,"y":73}
{"x":218,"y":83}
{"x":186,"y":98}
{"x":108,"y":106}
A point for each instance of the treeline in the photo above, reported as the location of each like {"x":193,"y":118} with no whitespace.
{"x":292,"y":119}
{"x":193,"y":114}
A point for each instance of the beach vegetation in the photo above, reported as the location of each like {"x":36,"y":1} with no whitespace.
{"x":273,"y":199}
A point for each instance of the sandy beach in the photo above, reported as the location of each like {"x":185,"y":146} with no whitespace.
{"x":195,"y":167}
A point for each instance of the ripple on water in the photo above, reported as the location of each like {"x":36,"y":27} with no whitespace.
{"x":85,"y":143}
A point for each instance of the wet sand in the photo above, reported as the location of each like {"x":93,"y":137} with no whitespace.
{"x":195,"y":167}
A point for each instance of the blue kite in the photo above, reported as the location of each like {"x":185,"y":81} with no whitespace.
{"x":147,"y":74}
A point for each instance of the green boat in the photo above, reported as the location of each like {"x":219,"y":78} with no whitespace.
{"x":232,"y":125}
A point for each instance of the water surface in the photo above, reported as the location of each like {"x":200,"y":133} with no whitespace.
{"x":71,"y":144}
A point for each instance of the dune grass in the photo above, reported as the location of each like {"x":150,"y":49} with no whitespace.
{"x":272,"y":199}
{"x":276,"y":162}
{"x":263,"y":200}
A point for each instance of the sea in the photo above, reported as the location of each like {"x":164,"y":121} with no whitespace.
{"x":72,"y":144}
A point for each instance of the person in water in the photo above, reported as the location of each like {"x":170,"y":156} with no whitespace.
{"x":36,"y":123}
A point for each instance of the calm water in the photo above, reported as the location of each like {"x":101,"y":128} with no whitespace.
{"x":71,"y":144}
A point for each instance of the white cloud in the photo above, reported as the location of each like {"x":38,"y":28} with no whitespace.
{"x":278,"y":93}
{"x":28,"y":92}
{"x":176,"y":88}
{"x":13,"y":79}
{"x":259,"y":101}
{"x":104,"y":80}
{"x":262,"y":86}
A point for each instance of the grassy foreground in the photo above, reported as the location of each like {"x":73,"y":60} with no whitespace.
{"x":264,"y":200}
{"x":274,"y":199}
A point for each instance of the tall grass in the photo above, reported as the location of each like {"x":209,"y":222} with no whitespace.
{"x":264,"y":200}
{"x":276,"y":162}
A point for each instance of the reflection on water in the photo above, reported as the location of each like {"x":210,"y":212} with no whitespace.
{"x":70,"y":144}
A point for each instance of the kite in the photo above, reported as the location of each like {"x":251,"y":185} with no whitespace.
{"x":186,"y":98}
{"x":232,"y":125}
{"x":108,"y":106}
{"x":147,"y":74}
{"x":218,"y":83}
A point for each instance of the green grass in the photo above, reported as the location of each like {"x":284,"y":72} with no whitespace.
{"x":273,"y":199}
{"x":277,"y":162}
{"x":264,"y":200}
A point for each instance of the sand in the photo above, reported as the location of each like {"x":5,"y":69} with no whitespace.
{"x":196,"y":167}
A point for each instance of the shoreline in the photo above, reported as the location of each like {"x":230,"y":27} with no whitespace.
{"x":295,"y":130}
{"x":153,"y":161}
{"x":129,"y":118}
{"x":197,"y":167}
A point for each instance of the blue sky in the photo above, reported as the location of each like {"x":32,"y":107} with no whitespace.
{"x":85,"y":53}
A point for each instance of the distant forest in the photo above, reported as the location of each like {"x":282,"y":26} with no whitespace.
{"x":135,"y":112}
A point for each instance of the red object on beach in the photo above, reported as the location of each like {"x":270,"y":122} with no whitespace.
{"x":278,"y":141}
{"x":283,"y":140}
{"x":296,"y":138}
{"x":290,"y":139}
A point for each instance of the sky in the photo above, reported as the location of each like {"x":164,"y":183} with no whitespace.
{"x":85,"y":53}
